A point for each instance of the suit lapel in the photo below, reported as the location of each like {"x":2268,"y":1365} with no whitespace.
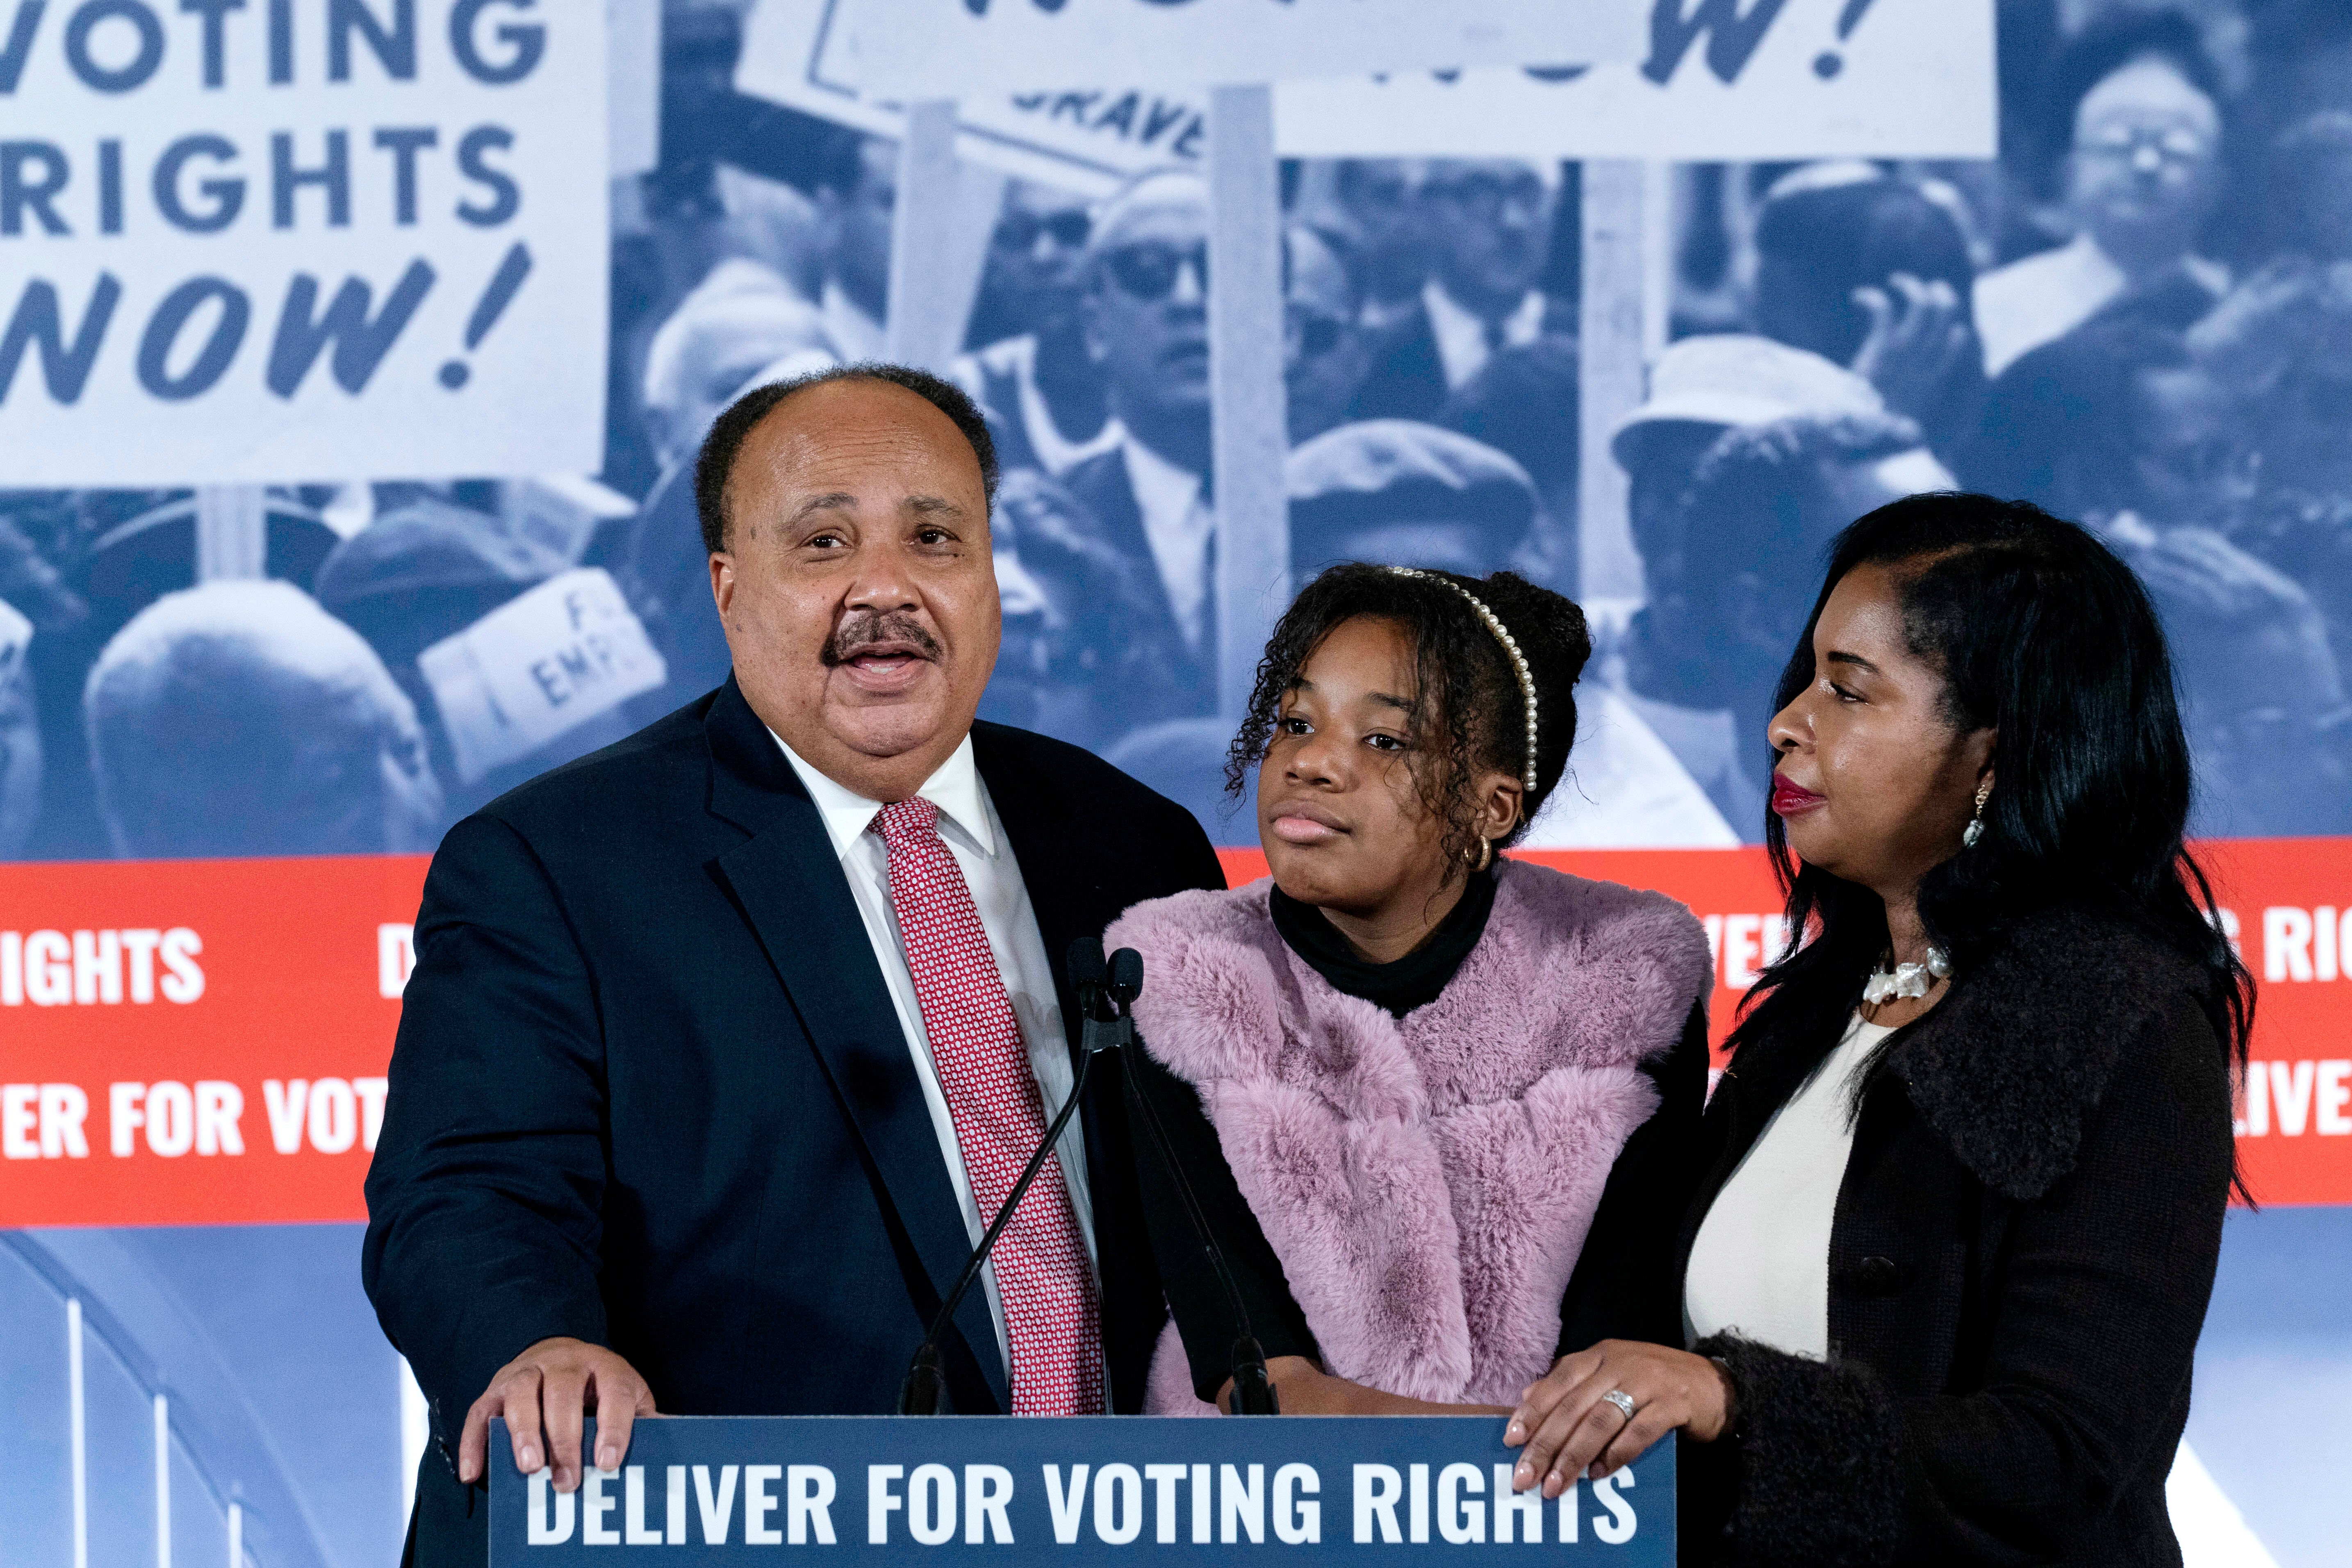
{"x":1107,"y":491}
{"x":792,"y":890}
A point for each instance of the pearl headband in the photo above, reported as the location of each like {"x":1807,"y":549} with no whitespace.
{"x":1510,"y":650}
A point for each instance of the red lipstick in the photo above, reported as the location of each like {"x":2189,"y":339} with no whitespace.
{"x":1791,"y":799}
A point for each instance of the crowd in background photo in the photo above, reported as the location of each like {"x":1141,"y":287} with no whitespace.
{"x":2139,"y":317}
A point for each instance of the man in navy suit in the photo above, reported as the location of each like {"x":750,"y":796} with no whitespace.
{"x":723,"y":1042}
{"x":1149,"y":497}
{"x":1488,"y":223}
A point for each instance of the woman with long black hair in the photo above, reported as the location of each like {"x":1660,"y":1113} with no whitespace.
{"x":1943,"y":1278}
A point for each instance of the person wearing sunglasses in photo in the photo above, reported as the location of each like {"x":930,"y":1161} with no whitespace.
{"x":1029,"y":367}
{"x":1963,"y":1182}
{"x":1149,"y":497}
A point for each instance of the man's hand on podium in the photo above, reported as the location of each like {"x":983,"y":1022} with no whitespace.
{"x":543,"y":1392}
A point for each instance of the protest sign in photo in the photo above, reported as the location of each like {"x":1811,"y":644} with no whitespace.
{"x":299,"y":242}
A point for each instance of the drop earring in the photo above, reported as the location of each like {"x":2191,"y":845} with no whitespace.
{"x":1975,"y":829}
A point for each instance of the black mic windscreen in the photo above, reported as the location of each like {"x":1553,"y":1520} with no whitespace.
{"x":1127,"y":974}
{"x":1087,"y":966}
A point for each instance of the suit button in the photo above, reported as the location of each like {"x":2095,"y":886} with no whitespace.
{"x":1877,"y":1276}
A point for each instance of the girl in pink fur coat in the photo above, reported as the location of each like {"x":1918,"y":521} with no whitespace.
{"x":1436,"y":1106}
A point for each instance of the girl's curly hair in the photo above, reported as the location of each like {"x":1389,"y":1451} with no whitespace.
{"x":1472,"y":715}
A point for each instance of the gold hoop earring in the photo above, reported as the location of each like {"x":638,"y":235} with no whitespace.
{"x":1485,"y":855}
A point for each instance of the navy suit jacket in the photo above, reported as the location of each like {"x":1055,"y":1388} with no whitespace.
{"x":1182,"y":683}
{"x":1406,"y":377}
{"x":650,"y":1091}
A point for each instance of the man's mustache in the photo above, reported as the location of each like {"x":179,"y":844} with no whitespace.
{"x":861,"y":632}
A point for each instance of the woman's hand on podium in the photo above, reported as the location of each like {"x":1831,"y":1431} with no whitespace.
{"x":1570,"y":1423}
{"x":543,"y":1393}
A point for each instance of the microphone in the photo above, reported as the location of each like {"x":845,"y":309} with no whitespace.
{"x":924,"y":1389}
{"x":1106,"y":998}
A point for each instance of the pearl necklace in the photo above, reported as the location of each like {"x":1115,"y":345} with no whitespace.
{"x":1908,"y":980}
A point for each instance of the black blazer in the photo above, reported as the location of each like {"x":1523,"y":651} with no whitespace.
{"x":2024,"y":1247}
{"x":650,"y":1091}
{"x":1404,"y":378}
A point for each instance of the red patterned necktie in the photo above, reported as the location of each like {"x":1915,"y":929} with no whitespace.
{"x":1051,"y":1315}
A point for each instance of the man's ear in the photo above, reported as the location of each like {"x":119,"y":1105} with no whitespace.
{"x":722,"y":581}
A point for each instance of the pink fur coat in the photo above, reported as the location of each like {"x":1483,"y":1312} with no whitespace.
{"x":1427,"y":1183}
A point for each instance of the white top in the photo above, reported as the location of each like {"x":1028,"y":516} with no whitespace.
{"x":969,"y":825}
{"x":1761,"y":1264}
{"x":1461,"y":332}
{"x":1178,"y":524}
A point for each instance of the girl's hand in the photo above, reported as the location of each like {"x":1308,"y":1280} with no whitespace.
{"x":1306,"y":1389}
{"x":1569,"y":1428}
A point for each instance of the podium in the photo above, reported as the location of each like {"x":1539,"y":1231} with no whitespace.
{"x":957,"y":1491}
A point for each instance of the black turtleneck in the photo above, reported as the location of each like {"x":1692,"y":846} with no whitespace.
{"x":1413,"y":980}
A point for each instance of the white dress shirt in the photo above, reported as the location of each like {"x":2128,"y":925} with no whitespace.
{"x":969,"y":825}
{"x":1178,"y":524}
{"x":1761,"y":1263}
{"x":1461,"y":332}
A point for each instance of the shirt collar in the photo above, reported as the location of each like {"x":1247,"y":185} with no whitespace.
{"x":1461,"y":332}
{"x":954,"y":788}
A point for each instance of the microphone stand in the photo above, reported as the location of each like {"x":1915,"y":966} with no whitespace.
{"x":924,"y":1389}
{"x":1106,"y":995}
{"x":1253,"y":1391}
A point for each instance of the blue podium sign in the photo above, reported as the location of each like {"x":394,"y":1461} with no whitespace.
{"x":964,"y":1490}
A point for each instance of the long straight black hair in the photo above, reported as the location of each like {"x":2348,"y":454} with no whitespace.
{"x":2045,"y":636}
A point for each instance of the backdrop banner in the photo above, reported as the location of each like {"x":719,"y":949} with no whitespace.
{"x":939,"y":49}
{"x":1088,"y":137}
{"x":355,"y":357}
{"x":266,"y":994}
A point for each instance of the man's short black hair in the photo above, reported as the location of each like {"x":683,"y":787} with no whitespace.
{"x":719,"y":448}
